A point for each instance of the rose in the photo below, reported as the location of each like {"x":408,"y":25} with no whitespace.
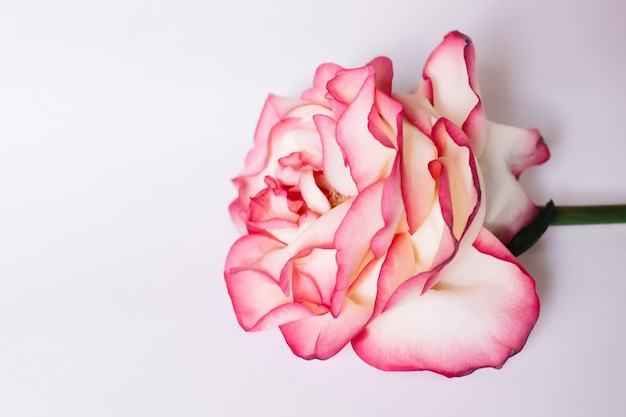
{"x":363,"y":215}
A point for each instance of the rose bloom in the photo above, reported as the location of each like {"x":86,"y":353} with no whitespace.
{"x":378,"y":219}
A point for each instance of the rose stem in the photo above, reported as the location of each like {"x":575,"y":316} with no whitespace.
{"x":572,"y":215}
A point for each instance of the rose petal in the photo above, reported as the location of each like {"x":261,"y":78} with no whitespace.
{"x":383,"y":68}
{"x":453,"y":85}
{"x":508,"y":152}
{"x":392,"y":207}
{"x":336,"y":169}
{"x":460,"y":192}
{"x":313,"y":276}
{"x":273,"y":111}
{"x":312,"y":195}
{"x":369,"y":160}
{"x":259,"y":302}
{"x":418,"y":186}
{"x":400,"y":264}
{"x":321,"y":337}
{"x":323,"y":75}
{"x":478,"y":315}
{"x":353,"y":238}
{"x":324,"y":335}
{"x":385,"y":120}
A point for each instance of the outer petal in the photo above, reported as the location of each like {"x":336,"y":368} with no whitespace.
{"x":256,"y":160}
{"x":321,"y":337}
{"x":254,"y":270}
{"x":478,"y":315}
{"x":453,"y":85}
{"x":323,"y":75}
{"x":258,"y":301}
{"x":273,"y":111}
{"x":384,"y":73}
{"x":509,"y":151}
{"x":313,"y":274}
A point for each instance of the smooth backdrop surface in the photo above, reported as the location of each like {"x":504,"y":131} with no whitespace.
{"x":121,"y":123}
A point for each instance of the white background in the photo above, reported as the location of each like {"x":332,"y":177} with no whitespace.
{"x":121,"y":123}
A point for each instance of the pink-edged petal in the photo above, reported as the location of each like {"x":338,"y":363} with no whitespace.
{"x":392,"y":207}
{"x":254,"y":252}
{"x":453,"y":85}
{"x":259,"y":302}
{"x":312,"y":195}
{"x":400,"y":264}
{"x":385,"y":120}
{"x":238,"y":214}
{"x":259,"y":164}
{"x":369,"y":160}
{"x":384,"y":73}
{"x":271,"y":203}
{"x":323,"y":336}
{"x":348,"y":83}
{"x":418,"y":187}
{"x":273,"y":111}
{"x":418,"y":111}
{"x":459,"y":188}
{"x":250,"y":181}
{"x":321,"y":232}
{"x":255,"y":272}
{"x":509,"y":151}
{"x":259,"y":298}
{"x":323,"y":75}
{"x":353,"y":239}
{"x":478,"y":315}
{"x":433,"y":241}
{"x":336,"y":170}
{"x":313,"y":277}
{"x":264,"y":253}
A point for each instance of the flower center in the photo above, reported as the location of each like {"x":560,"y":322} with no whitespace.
{"x":335,"y":198}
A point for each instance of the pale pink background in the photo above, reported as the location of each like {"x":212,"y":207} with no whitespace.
{"x":120,"y":125}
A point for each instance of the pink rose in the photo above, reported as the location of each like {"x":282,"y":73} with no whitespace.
{"x":372,"y":218}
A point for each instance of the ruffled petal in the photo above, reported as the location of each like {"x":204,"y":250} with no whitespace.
{"x":418,"y":186}
{"x":273,"y":111}
{"x":509,"y":151}
{"x":450,"y":75}
{"x":478,"y":314}
{"x":259,"y":302}
{"x":323,"y":75}
{"x":313,"y":275}
{"x":336,"y":169}
{"x":392,"y":208}
{"x":461,"y":187}
{"x":369,"y":160}
{"x":385,"y":120}
{"x":321,"y":337}
{"x":384,"y":73}
{"x":353,"y":239}
{"x":259,"y":299}
{"x":312,"y":195}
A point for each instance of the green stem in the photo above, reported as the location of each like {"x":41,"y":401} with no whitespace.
{"x":550,"y":215}
{"x":572,"y":215}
